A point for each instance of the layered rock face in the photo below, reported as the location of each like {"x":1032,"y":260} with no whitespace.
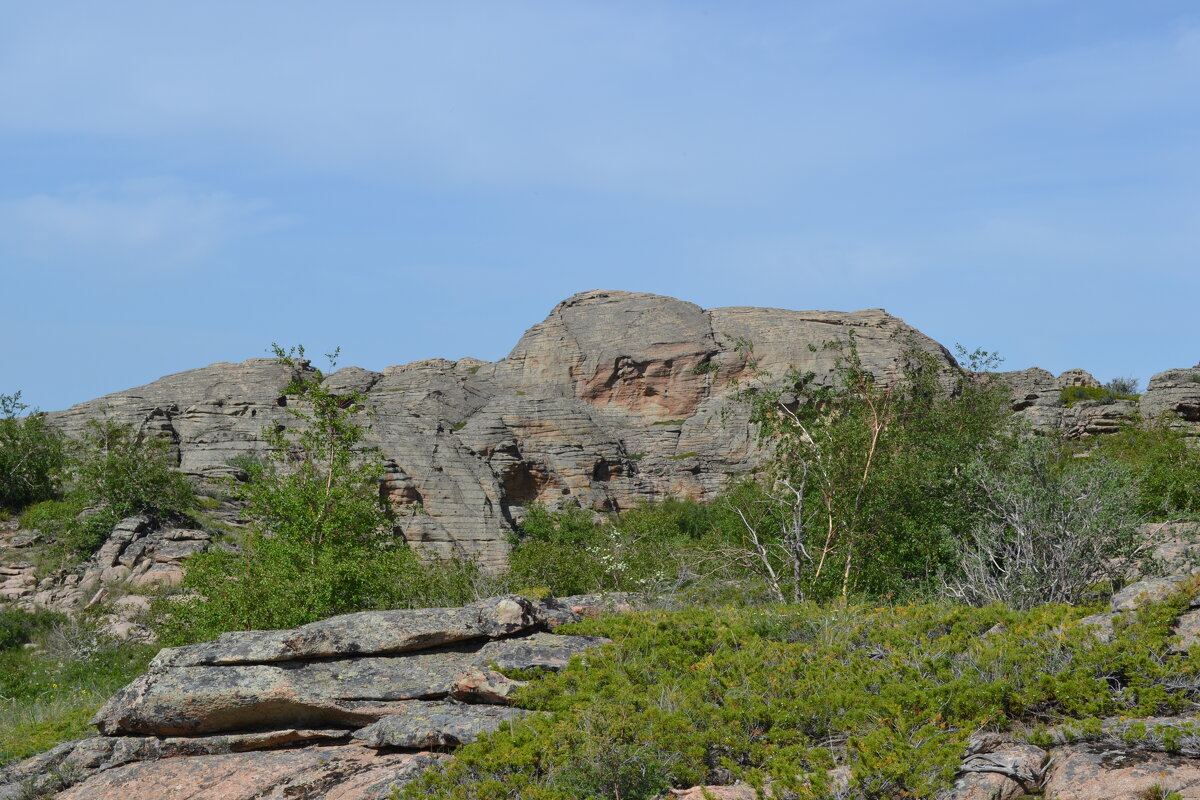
{"x":349,"y":707}
{"x":615,"y":397}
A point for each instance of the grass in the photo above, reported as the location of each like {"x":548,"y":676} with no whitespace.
{"x":49,"y":694}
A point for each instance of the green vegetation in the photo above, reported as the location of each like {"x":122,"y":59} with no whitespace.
{"x":1100,"y":394}
{"x":114,"y":472}
{"x":901,"y":491}
{"x":651,"y":548}
{"x":867,"y":491}
{"x":789,"y":692}
{"x":49,"y":692}
{"x":1051,"y":528}
{"x":909,"y":493}
{"x":1167,"y":468}
{"x":320,"y":541}
{"x":31,"y":456}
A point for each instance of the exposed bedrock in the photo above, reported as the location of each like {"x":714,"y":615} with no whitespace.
{"x":614,"y":398}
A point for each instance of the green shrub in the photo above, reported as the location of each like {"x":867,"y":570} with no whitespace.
{"x":789,"y":692}
{"x":18,"y":627}
{"x":1051,"y":528}
{"x":128,"y":472}
{"x":31,"y":456}
{"x":666,"y":546}
{"x":1167,"y":467}
{"x":865,"y":489}
{"x":114,"y":472}
{"x":277,"y":583}
{"x":52,"y":516}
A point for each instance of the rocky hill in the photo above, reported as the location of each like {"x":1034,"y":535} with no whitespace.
{"x":613,"y":398}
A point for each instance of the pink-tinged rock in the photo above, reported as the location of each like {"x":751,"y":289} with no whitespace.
{"x":346,"y":772}
{"x":1112,"y":773}
{"x":158,"y":575}
{"x":838,"y":784}
{"x":1101,"y":625}
{"x":735,"y":791}
{"x":420,"y":725}
{"x":484,"y":686}
{"x":1187,"y":628}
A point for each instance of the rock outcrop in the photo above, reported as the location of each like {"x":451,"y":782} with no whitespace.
{"x":349,"y":707}
{"x":1037,"y":399}
{"x":137,"y":556}
{"x":615,"y":397}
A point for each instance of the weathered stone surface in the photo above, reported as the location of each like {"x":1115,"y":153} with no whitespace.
{"x":363,"y":633}
{"x":1174,"y":395}
{"x":428,"y":725}
{"x":347,"y":692}
{"x":1037,"y":401}
{"x":1150,"y":590}
{"x":734,"y":791}
{"x":484,"y":686}
{"x":1187,"y":628}
{"x":616,"y":397}
{"x":1101,"y":624}
{"x":349,"y":772}
{"x":1111,"y":772}
{"x":1001,"y":774}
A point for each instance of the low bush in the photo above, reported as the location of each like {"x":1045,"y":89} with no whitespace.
{"x":1166,"y":466}
{"x":1109,"y":393}
{"x":127,"y":472}
{"x":789,"y":692}
{"x":114,"y":472}
{"x":274,"y":584}
{"x":18,"y":627}
{"x":1050,"y":528}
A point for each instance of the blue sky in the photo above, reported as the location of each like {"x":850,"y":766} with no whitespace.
{"x":186,"y":183}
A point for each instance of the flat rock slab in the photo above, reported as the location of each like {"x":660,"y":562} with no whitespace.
{"x":347,"y":692}
{"x":1098,"y":772}
{"x":363,"y":634}
{"x":423,"y":725}
{"x":348,"y":772}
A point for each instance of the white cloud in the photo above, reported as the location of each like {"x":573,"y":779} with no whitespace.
{"x":150,"y":223}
